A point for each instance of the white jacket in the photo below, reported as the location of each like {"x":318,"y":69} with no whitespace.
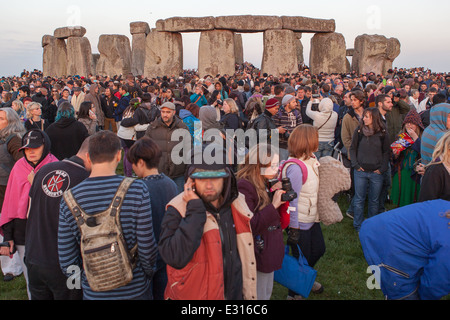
{"x":323,"y":120}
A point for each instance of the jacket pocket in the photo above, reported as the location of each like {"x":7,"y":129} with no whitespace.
{"x":394,"y":270}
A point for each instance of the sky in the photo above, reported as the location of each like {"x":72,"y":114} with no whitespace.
{"x":421,"y":27}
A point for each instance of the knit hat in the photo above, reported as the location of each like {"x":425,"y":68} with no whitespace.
{"x":287,"y":99}
{"x":213,"y":164}
{"x":414,"y":118}
{"x":272,"y":103}
{"x":289,"y":90}
{"x":387,"y":89}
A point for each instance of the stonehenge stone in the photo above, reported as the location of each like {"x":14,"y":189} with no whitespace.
{"x":238,"y":49}
{"x":139,"y":27}
{"x":280,"y":53}
{"x":139,"y":30}
{"x":216,"y":53}
{"x":54,"y":62}
{"x":115,"y":55}
{"x":303,"y":24}
{"x":179,"y":24}
{"x":79,"y":56}
{"x":374,"y":53}
{"x":248,"y":23}
{"x":328,"y":53}
{"x":67,"y":32}
{"x":164,"y":54}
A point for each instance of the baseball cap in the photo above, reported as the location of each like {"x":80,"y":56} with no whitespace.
{"x":32,"y":140}
{"x":169,"y":105}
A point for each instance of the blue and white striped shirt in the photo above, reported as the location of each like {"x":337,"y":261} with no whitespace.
{"x":94,"y":195}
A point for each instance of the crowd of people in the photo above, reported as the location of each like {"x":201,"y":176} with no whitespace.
{"x":202,"y":230}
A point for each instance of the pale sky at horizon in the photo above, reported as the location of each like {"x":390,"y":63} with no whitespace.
{"x":421,"y":28}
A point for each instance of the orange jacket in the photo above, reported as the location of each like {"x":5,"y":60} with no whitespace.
{"x":202,"y":277}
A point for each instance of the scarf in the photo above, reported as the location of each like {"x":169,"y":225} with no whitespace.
{"x":16,"y":201}
{"x":367,"y":131}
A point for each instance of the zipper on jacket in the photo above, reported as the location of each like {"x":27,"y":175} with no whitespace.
{"x":394,"y":270}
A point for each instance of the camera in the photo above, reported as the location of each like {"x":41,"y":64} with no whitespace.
{"x":290,"y":194}
{"x":219,"y":102}
{"x":286,"y":185}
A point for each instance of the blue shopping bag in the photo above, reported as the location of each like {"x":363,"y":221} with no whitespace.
{"x":296,"y":274}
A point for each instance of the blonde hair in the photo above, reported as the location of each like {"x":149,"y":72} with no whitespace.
{"x":442,"y":150}
{"x":233,"y":106}
{"x":251,"y":171}
{"x":19,"y":104}
{"x":32,"y":106}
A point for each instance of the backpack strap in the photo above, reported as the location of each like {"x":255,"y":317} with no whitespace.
{"x":74,"y":207}
{"x":115,"y":207}
{"x":117,"y":201}
{"x":287,"y":163}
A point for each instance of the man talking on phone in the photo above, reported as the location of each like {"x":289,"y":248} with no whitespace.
{"x":206,"y":239}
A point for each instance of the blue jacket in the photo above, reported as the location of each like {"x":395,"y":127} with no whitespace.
{"x":411,"y":245}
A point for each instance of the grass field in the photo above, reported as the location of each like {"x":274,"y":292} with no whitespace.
{"x":342,"y":270}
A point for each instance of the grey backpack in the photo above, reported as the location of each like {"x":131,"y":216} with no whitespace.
{"x":107,"y":262}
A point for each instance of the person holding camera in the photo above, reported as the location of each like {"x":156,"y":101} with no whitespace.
{"x":304,"y":227}
{"x":253,"y":182}
{"x":198,"y":97}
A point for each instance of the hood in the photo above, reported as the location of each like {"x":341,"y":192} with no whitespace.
{"x":208,"y":117}
{"x":326,"y":105}
{"x":438,"y":116}
{"x":185,"y":113}
{"x":64,"y":122}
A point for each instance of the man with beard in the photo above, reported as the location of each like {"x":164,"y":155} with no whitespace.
{"x":161,"y":131}
{"x":206,"y":237}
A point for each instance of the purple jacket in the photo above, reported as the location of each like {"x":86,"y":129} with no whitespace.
{"x":266,"y":226}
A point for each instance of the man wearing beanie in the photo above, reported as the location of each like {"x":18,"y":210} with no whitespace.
{"x":288,"y":117}
{"x":206,"y":238}
{"x":264,"y":123}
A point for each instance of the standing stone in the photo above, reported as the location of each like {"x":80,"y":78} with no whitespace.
{"x":280,"y":53}
{"x":328,"y":53}
{"x":139,"y":32}
{"x":79,"y":56}
{"x":238,"y":49}
{"x":299,"y":46}
{"x":115,"y":55}
{"x":164,"y":54}
{"x":374,"y":53}
{"x":54,"y":62}
{"x":216,"y":53}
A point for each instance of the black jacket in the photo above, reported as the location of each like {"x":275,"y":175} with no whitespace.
{"x":67,"y":136}
{"x":109,"y":105}
{"x":370,"y":152}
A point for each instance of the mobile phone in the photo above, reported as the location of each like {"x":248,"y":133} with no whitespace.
{"x":384,"y":81}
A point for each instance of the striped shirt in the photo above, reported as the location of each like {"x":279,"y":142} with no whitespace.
{"x":94,"y":195}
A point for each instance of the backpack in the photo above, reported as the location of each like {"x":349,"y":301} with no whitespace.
{"x":107,"y":262}
{"x":284,"y":208}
